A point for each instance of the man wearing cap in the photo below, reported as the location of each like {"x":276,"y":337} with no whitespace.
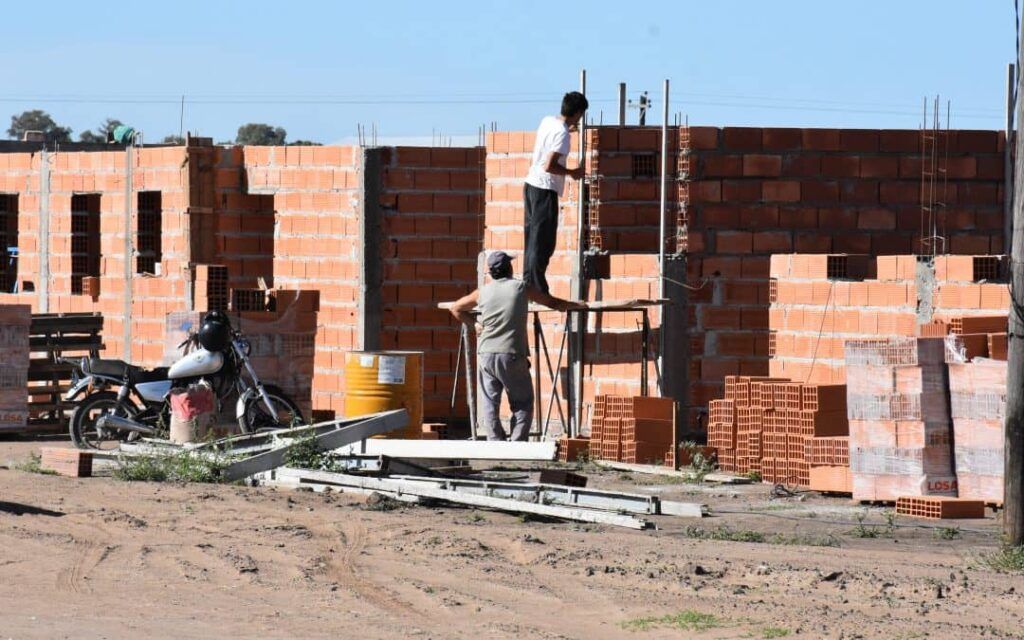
{"x":502,"y":345}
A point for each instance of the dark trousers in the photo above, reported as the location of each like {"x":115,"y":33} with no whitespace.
{"x":541,"y":232}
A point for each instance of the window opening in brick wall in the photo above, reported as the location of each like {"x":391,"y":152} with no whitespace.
{"x":8,"y":243}
{"x":643,"y":165}
{"x":148,"y":233}
{"x":986,"y":268}
{"x":85,"y":239}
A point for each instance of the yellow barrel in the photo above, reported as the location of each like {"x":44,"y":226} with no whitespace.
{"x":384,"y":380}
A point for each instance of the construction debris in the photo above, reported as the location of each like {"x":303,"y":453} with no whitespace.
{"x":479,"y":498}
{"x":452,"y":449}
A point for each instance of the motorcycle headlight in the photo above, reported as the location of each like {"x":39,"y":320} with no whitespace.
{"x":84,"y":365}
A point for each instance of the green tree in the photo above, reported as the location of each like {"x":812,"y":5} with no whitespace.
{"x":256,"y":133}
{"x":102,"y":131}
{"x":38,"y":120}
{"x":305,"y":143}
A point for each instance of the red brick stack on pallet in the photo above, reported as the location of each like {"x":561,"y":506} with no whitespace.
{"x":14,"y":354}
{"x":778,"y":428}
{"x":632,"y":429}
{"x":977,"y":390}
{"x":900,"y":429}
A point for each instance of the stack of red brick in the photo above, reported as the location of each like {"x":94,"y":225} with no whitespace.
{"x":14,"y":354}
{"x":633,"y":429}
{"x":778,"y":428}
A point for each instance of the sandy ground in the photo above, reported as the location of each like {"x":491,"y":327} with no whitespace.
{"x":99,"y":558}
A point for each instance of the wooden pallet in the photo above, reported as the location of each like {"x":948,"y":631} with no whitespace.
{"x":52,"y":337}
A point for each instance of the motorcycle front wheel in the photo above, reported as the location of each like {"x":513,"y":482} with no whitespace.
{"x":83,"y":429}
{"x":256,"y":418}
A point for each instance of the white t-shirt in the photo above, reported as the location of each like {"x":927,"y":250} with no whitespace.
{"x":552,"y":136}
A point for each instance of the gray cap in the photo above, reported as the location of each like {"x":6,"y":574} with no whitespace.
{"x":497,"y":258}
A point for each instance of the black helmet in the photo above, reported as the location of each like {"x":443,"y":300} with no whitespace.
{"x":215,"y":331}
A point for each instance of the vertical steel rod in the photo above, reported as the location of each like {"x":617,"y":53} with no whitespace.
{"x":470,"y":382}
{"x":538,"y":406}
{"x":663,"y":200}
{"x":622,"y":104}
{"x":576,"y":385}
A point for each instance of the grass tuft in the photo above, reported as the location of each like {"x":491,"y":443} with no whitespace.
{"x":947,"y":533}
{"x":1006,"y":560}
{"x":33,"y":464}
{"x":727,"y":534}
{"x":774,"y":632}
{"x":688,"y":620}
{"x":178,"y":467}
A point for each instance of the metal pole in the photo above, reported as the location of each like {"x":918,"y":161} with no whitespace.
{"x":622,"y":104}
{"x":1008,"y":162}
{"x":470,"y":382}
{"x":663,"y":201}
{"x":663,"y":233}
{"x":576,"y":405}
{"x":538,"y":407}
{"x":1013,"y":498}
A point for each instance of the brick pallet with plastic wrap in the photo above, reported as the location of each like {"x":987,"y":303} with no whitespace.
{"x":978,"y":406}
{"x":900,"y":426}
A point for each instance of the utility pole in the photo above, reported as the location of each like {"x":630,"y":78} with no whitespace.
{"x":1013,"y":498}
{"x":643,"y":104}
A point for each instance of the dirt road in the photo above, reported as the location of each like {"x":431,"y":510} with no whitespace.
{"x":99,"y":558}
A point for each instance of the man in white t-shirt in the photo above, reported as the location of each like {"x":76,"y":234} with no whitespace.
{"x":544,"y":184}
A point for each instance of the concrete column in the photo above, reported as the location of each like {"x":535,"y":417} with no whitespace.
{"x":370,"y":229}
{"x":129,"y":192}
{"x":43,"y":284}
{"x":674,"y":335}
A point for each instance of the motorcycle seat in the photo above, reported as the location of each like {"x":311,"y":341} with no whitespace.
{"x":148,"y":375}
{"x":118,"y":369}
{"x":104,"y":367}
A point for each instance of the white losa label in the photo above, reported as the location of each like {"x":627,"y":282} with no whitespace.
{"x":391,"y":370}
{"x":366,"y":362}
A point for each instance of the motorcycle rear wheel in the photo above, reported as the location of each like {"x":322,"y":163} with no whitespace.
{"x":83,"y":430}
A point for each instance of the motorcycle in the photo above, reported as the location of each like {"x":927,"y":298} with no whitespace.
{"x":124,"y":402}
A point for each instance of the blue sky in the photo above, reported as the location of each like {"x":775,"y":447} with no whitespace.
{"x":413,"y":68}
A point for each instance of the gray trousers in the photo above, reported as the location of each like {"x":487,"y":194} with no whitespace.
{"x":511,"y":373}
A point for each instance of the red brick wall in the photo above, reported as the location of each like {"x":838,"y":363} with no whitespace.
{"x":750,"y":193}
{"x":153,"y":169}
{"x":432,"y":204}
{"x":757,"y":191}
{"x":316,"y":193}
{"x":812,"y":315}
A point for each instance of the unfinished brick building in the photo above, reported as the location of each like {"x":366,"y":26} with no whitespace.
{"x":383,"y":234}
{"x":737,"y":196}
